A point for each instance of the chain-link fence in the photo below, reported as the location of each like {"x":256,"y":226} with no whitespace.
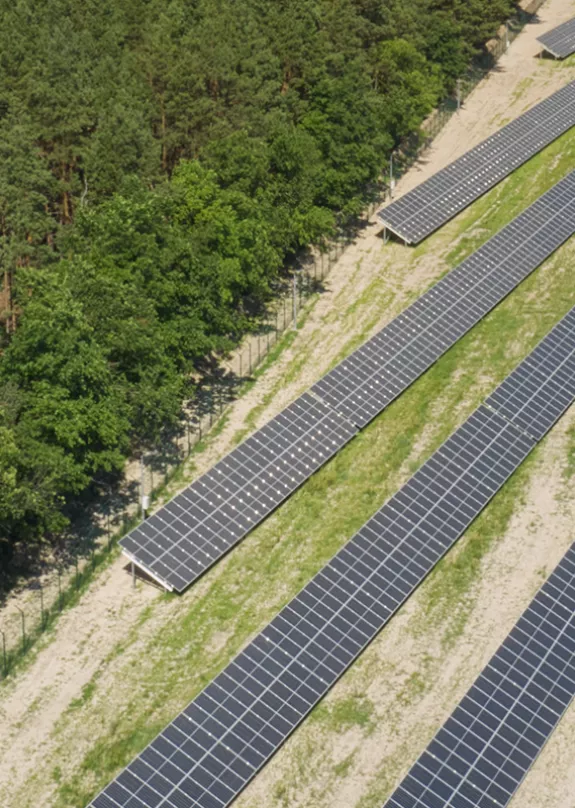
{"x":32,"y":611}
{"x":415,"y":146}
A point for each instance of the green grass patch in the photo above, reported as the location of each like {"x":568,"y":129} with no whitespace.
{"x":342,"y":769}
{"x":351,"y":711}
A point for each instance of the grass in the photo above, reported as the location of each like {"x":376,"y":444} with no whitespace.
{"x":169,"y":656}
{"x":352,"y":711}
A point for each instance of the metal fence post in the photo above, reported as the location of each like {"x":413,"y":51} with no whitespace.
{"x":23,"y":628}
{"x":4,"y":655}
{"x":41,"y":607}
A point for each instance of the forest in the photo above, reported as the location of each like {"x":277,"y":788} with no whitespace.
{"x":159,"y":164}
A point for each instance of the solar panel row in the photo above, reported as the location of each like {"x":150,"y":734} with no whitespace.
{"x":362,"y":385}
{"x":561,"y":40}
{"x":212,"y":749}
{"x":481,"y":755}
{"x":199,"y":525}
{"x":189,"y":534}
{"x":543,"y":386}
{"x":437,"y":200}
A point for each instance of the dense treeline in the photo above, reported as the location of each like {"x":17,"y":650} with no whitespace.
{"x":159,"y":160}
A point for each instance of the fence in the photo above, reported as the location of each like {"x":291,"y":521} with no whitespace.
{"x":80,"y":555}
{"x":119,"y":511}
{"x":416,"y":145}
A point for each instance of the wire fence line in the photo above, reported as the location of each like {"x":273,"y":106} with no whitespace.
{"x":77,"y":557}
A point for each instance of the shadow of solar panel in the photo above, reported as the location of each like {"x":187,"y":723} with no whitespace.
{"x":198,"y":526}
{"x":362,"y":385}
{"x":437,"y":200}
{"x":482,"y":753}
{"x":561,"y":40}
{"x":537,"y":393}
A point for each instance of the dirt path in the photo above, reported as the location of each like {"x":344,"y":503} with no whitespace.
{"x":369,"y":279}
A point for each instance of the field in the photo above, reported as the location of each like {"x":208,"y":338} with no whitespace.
{"x":121,"y":663}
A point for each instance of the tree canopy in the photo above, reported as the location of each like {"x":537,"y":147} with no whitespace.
{"x":159,"y":161}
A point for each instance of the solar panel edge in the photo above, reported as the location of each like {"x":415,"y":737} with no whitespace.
{"x":551,"y":51}
{"x":154,"y":575}
{"x":551,"y":40}
{"x":392,"y":801}
{"x":170,"y":585}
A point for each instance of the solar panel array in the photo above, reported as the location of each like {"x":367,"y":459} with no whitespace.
{"x":437,"y":200}
{"x":543,"y":386}
{"x":189,"y":534}
{"x":561,"y":40}
{"x":481,"y":755}
{"x":218,"y":743}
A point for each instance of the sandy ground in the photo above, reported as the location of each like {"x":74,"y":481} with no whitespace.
{"x":32,"y":703}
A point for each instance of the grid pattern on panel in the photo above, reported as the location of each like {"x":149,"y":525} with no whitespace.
{"x":482,"y":753}
{"x":212,"y":750}
{"x":536,"y":394}
{"x":363,"y":384}
{"x":422,"y":210}
{"x":561,"y":40}
{"x":194,"y":529}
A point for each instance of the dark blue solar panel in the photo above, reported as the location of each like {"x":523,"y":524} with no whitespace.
{"x":561,"y":40}
{"x":480,"y":756}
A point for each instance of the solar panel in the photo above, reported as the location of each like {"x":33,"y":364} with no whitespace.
{"x":536,"y":394}
{"x":201,"y":524}
{"x":362,"y":385}
{"x":189,"y":534}
{"x":437,"y":200}
{"x":481,"y":755}
{"x":219,"y":742}
{"x":561,"y":40}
